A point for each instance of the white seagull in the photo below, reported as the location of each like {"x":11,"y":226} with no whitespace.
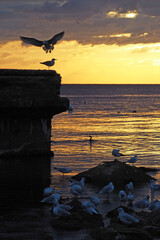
{"x":61,"y":210}
{"x":76,"y":190}
{"x":95,"y":200}
{"x":122,"y":196}
{"x":89,"y":207}
{"x":48,"y":191}
{"x":130,"y":198}
{"x":126,"y":218}
{"x":47,"y":45}
{"x":116,"y":153}
{"x":143,"y":203}
{"x":129,"y":187}
{"x":63,"y":170}
{"x":107,"y":189}
{"x":54,"y":199}
{"x":132,"y":159}
{"x":49,"y":63}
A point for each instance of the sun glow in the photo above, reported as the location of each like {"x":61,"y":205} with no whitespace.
{"x":128,"y":14}
{"x":76,"y":63}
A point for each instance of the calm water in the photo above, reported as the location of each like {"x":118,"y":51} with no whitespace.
{"x":126,"y":117}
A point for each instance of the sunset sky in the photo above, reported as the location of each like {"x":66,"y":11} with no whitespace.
{"x":105,"y":41}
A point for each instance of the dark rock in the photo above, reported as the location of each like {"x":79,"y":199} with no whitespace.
{"x":115,"y":171}
{"x":78,"y":219}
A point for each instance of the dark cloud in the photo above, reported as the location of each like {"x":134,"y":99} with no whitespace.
{"x":86,"y":21}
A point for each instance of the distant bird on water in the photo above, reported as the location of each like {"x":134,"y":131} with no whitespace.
{"x":63,"y":170}
{"x":49,"y":63}
{"x":47,"y":45}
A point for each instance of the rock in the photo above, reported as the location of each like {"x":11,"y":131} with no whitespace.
{"x":115,"y":171}
{"x":78,"y":219}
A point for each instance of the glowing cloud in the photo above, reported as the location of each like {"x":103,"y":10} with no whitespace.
{"x":129,"y":14}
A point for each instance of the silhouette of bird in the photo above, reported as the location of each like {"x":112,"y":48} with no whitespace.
{"x":89,"y":207}
{"x":47,"y":45}
{"x":107,"y":189}
{"x":129,"y":187}
{"x":61,"y":210}
{"x":53,"y":199}
{"x":49,"y":63}
{"x":132,"y":159}
{"x":143,"y":203}
{"x":126,"y":218}
{"x":63,"y":170}
{"x":116,"y":153}
{"x":122,"y":196}
{"x":154,"y":186}
{"x":48,"y":191}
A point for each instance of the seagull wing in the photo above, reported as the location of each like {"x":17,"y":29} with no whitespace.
{"x":32,"y":41}
{"x":56,"y":38}
{"x":129,"y":218}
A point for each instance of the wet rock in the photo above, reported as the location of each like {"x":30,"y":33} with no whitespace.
{"x":115,"y":171}
{"x":78,"y":219}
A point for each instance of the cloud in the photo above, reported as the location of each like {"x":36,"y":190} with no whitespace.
{"x":82,"y":20}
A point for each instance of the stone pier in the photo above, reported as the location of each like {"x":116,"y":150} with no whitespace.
{"x":28,"y":101}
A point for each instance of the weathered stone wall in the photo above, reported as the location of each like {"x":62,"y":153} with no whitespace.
{"x":28,"y":101}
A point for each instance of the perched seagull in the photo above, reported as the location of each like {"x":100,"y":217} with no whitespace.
{"x":143,"y":203}
{"x":89,"y":207}
{"x":48,"y":191}
{"x":95,"y":200}
{"x":107,"y":189}
{"x":47,"y":45}
{"x":129,"y":187}
{"x":76,"y":190}
{"x":122,"y":196}
{"x":54,"y":199}
{"x":130,"y":198}
{"x":116,"y":153}
{"x":81,"y":182}
{"x":132,"y":159}
{"x":63,"y":170}
{"x":61,"y":210}
{"x":126,"y":218}
{"x":49,"y":63}
{"x":154,"y":186}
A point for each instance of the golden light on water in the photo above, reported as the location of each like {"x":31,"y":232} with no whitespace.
{"x":77,"y":63}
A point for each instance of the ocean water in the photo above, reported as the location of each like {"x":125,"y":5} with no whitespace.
{"x":125,"y":117}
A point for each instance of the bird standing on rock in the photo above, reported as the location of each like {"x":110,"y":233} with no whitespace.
{"x":126,"y":218}
{"x":132,"y":159}
{"x":107,"y":189}
{"x":47,"y":45}
{"x":49,"y":63}
{"x":116,"y":153}
{"x":63,"y":170}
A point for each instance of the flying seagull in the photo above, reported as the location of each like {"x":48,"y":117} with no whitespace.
{"x":47,"y":45}
{"x":49,"y":63}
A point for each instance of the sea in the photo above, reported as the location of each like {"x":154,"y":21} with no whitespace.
{"x":124,"y":117}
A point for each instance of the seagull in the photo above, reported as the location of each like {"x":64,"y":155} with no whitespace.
{"x":47,"y":45}
{"x":129,"y":187}
{"x":61,"y":210}
{"x":63,"y":170}
{"x":76,"y":190}
{"x":116,"y":153}
{"x":143,"y":203}
{"x":154,"y":186}
{"x":81,"y":182}
{"x":126,"y":218}
{"x":89,"y":207}
{"x":132,"y":159}
{"x":54,"y":199}
{"x":48,"y":191}
{"x":49,"y":63}
{"x":107,"y":189}
{"x":122,"y":196}
{"x":95,"y":200}
{"x":130,"y":198}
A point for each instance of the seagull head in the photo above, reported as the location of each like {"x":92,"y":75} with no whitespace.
{"x":120,"y":210}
